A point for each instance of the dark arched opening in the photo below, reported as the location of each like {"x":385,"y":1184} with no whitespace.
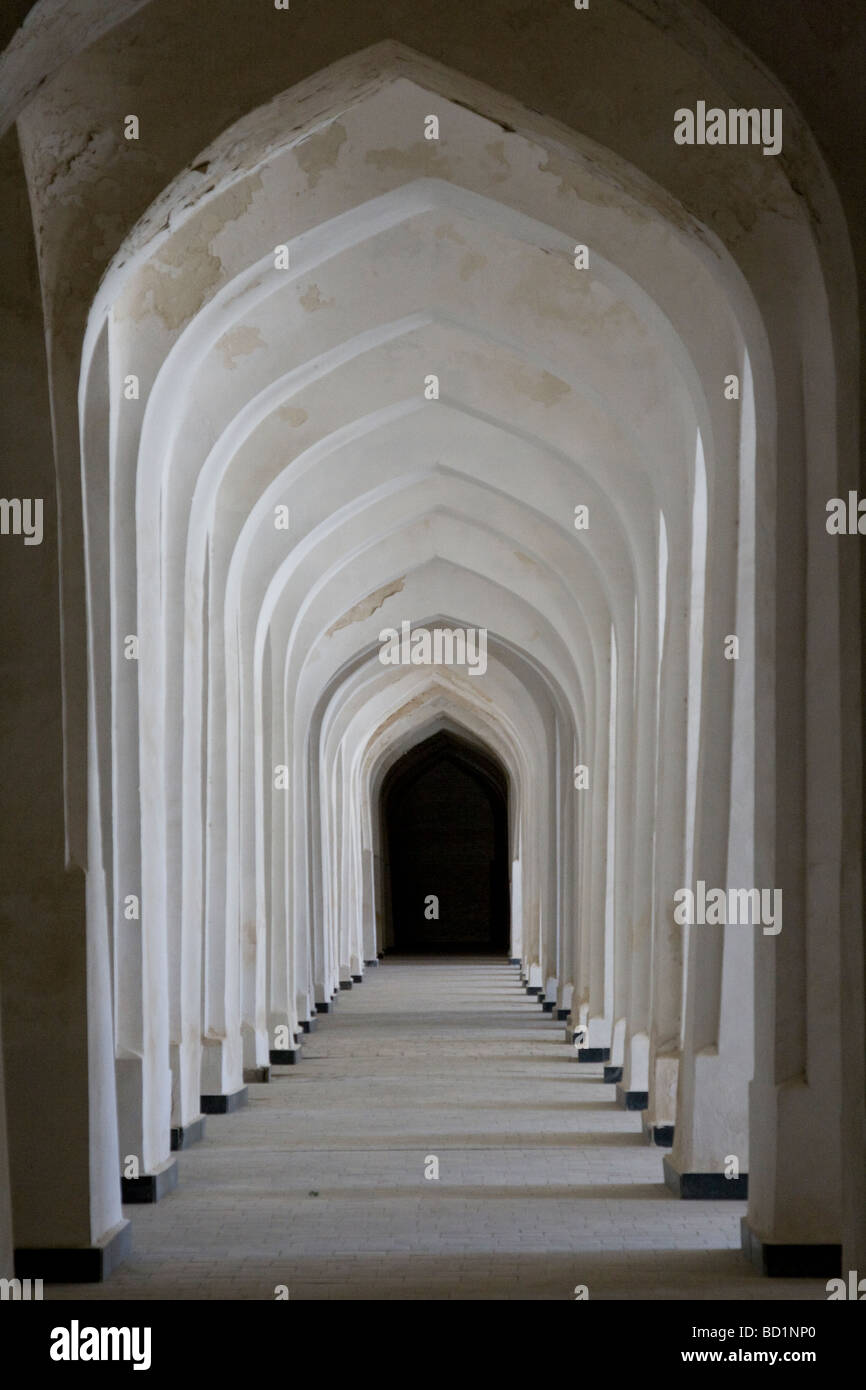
{"x":444,"y":808}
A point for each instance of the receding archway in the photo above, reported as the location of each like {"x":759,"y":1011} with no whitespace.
{"x":444,"y":808}
{"x":242,"y":848}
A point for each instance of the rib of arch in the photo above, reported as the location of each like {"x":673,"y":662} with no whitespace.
{"x":264,"y":389}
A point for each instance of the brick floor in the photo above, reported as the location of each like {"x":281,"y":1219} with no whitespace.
{"x":543,"y":1183}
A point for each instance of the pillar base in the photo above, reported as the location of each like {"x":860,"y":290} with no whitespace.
{"x":370,"y":963}
{"x":612,"y":1074}
{"x":562,"y":1015}
{"x":226,"y":1104}
{"x":345,"y":984}
{"x":184,"y":1135}
{"x":631,"y":1100}
{"x":285,"y":1057}
{"x":91,"y":1264}
{"x":257,"y":1075}
{"x":593,"y":1054}
{"x":357,"y":979}
{"x":322,"y":1008}
{"x":713,"y":1187}
{"x":790,"y":1261}
{"x":547,"y":1006}
{"x":660,"y":1135}
{"x":533,"y":989}
{"x":308,"y":1025}
{"x":515,"y":960}
{"x":150,"y":1187}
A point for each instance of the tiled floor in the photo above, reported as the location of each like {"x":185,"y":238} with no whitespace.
{"x":543,"y":1183}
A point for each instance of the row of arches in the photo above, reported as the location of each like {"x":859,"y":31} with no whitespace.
{"x":295,"y":491}
{"x":342,"y":378}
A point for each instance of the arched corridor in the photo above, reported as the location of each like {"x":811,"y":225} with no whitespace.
{"x":433,"y":712}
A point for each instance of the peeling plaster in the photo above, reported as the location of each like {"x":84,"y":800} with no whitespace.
{"x":446,"y":230}
{"x":176,"y":283}
{"x":312,"y":299}
{"x":367,"y":607}
{"x":496,"y":150}
{"x":320,"y":151}
{"x":422,"y":158}
{"x":539,"y":386}
{"x":471,"y":263}
{"x":239,"y":342}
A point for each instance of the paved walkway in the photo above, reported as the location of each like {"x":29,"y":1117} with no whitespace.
{"x":543,"y":1183}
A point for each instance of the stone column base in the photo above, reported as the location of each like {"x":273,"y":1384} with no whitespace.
{"x":91,"y":1264}
{"x":778,"y":1261}
{"x":593,"y":1054}
{"x":707,"y":1186}
{"x":285,"y":1056}
{"x":225,"y":1105}
{"x":612,"y":1074}
{"x":150,"y":1187}
{"x":660,"y":1135}
{"x":631,"y":1100}
{"x":257,"y":1075}
{"x":184,"y":1135}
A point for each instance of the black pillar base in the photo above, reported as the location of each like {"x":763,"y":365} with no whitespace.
{"x":515,"y":960}
{"x":357,"y":979}
{"x":547,"y":1005}
{"x":533,"y":989}
{"x":257,"y":1075}
{"x":184,"y":1135}
{"x":562,"y":1015}
{"x":322,"y":1008}
{"x":150,"y":1187}
{"x":370,"y":963}
{"x":345,"y":984}
{"x":593,"y":1054}
{"x":308,"y":1025}
{"x":705,"y":1186}
{"x":285,"y":1057}
{"x":790,"y":1261}
{"x":631,"y":1100}
{"x":225,"y":1104}
{"x":613,"y":1074}
{"x":91,"y":1264}
{"x":660,"y":1135}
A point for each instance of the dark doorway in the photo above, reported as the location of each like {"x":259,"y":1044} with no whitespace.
{"x":445,"y":833}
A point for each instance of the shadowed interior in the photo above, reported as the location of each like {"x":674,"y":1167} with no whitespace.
{"x":445,"y":816}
